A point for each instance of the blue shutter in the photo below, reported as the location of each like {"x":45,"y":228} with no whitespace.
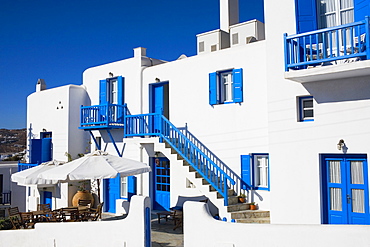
{"x":238,"y":85}
{"x":246,"y":171}
{"x":103,"y":92}
{"x":35,"y":154}
{"x":213,"y":88}
{"x":131,"y":186}
{"x":121,"y":90}
{"x":46,"y":149}
{"x":362,"y":9}
{"x":306,"y":17}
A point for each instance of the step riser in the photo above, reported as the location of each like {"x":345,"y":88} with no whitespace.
{"x":250,"y":215}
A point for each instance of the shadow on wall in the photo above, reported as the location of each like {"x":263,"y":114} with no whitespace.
{"x":339,"y":90}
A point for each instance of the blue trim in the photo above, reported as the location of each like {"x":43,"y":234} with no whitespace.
{"x":131,"y":187}
{"x":306,"y":16}
{"x":148,"y":240}
{"x":245,"y":161}
{"x":238,"y":85}
{"x":121,"y":90}
{"x":213,"y":99}
{"x":103,"y":92}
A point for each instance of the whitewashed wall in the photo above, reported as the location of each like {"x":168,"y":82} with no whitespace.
{"x":341,"y":108}
{"x":200,"y":229}
{"x":121,"y":233}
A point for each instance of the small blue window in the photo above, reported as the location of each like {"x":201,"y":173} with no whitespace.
{"x":255,"y":170}
{"x":305,"y":109}
{"x":226,"y":87}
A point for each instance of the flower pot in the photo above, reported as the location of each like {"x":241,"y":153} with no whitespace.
{"x":83,"y":195}
{"x":241,"y":199}
{"x":252,"y":207}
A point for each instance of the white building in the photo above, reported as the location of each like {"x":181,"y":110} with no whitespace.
{"x":281,"y":118}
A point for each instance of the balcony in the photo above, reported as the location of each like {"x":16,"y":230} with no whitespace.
{"x":106,"y":116}
{"x":25,"y":166}
{"x":5,"y":198}
{"x":330,"y":53}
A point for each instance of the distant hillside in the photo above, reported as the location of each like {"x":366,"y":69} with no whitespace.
{"x":12,"y":141}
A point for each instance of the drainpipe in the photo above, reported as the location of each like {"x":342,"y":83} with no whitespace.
{"x":145,"y":62}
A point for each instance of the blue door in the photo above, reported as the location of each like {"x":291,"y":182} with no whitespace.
{"x":346,"y":190}
{"x":112,"y":192}
{"x":47,"y":198}
{"x":159,"y":102}
{"x":161,"y":178}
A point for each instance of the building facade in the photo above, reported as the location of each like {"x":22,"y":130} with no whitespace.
{"x":278,"y":111}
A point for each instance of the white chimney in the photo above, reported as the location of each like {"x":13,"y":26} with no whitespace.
{"x":40,"y":85}
{"x":229,"y":14}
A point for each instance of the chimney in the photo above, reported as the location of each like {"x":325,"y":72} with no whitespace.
{"x":229,"y":14}
{"x":40,"y":85}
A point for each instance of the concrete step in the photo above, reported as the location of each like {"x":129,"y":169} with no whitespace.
{"x":249,"y":214}
{"x":254,"y":220}
{"x":238,"y":207}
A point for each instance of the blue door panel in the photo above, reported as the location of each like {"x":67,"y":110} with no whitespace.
{"x":112,"y":192}
{"x":161,"y":185}
{"x":47,"y":198}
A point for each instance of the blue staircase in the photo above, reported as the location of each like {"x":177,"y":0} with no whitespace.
{"x":212,"y":169}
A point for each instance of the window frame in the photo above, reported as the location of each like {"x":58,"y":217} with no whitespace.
{"x":255,"y":176}
{"x":301,"y":108}
{"x":123,"y":187}
{"x":218,"y":95}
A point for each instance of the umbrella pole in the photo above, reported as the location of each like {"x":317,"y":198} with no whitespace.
{"x":98,"y":190}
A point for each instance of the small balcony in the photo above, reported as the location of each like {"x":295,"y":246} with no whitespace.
{"x":106,"y":116}
{"x":325,"y":54}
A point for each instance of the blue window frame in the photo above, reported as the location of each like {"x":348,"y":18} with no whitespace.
{"x":112,"y":91}
{"x":255,"y":170}
{"x":226,"y":87}
{"x":305,"y":108}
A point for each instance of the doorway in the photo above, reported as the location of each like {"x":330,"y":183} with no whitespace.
{"x":161,"y":183}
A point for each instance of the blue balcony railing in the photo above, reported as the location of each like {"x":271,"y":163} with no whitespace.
{"x":157,"y":125}
{"x":103,"y":116}
{"x":329,"y":45}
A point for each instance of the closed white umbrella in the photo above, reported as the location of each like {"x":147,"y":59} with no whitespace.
{"x":31,"y":176}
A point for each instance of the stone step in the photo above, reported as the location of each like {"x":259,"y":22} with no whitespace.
{"x":248,"y":214}
{"x":254,"y":220}
{"x":238,"y":207}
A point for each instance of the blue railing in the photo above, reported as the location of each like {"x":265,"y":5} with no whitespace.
{"x":240,"y":186}
{"x":327,"y":45}
{"x":103,"y":116}
{"x":157,"y":125}
{"x":5,"y":198}
{"x":25,"y":166}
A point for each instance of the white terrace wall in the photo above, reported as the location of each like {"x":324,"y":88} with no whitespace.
{"x":200,"y":229}
{"x":119,"y":233}
{"x":341,"y":109}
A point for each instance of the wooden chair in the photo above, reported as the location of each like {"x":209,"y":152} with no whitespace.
{"x":94,"y":213}
{"x":15,"y":218}
{"x":82,"y":202}
{"x":27,"y":220}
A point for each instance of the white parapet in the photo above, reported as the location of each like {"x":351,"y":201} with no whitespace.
{"x":131,"y":231}
{"x":218,"y":233}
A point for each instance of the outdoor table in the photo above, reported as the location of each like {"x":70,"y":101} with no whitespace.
{"x":38,"y":215}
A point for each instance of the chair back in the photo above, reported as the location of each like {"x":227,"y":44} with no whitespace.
{"x":13,"y":211}
{"x":15,"y":217}
{"x":44,"y":207}
{"x":82,"y":202}
{"x":98,"y":212}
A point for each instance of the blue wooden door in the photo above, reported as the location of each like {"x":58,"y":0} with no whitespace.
{"x":112,"y":192}
{"x":347,"y":191}
{"x":47,"y":198}
{"x":161,"y":184}
{"x":159,"y":103}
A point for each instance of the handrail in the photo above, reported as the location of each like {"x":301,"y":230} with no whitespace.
{"x":153,"y":124}
{"x":327,"y":45}
{"x":5,"y":198}
{"x":104,"y":115}
{"x":240,"y":186}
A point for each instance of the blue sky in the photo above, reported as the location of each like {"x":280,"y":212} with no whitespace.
{"x":57,"y":40}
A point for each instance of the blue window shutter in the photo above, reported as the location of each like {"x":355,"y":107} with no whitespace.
{"x":362,"y":9}
{"x":35,"y":154}
{"x":238,"y":85}
{"x":131,"y":186}
{"x":103,"y":92}
{"x":121,"y":90}
{"x":213,"y":88}
{"x":246,"y":170}
{"x":46,"y":154}
{"x":306,"y":17}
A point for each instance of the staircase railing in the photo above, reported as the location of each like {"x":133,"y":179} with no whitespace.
{"x":157,"y":125}
{"x":240,"y":186}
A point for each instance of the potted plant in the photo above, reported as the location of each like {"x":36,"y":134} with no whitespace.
{"x":241,"y":198}
{"x":252,"y":206}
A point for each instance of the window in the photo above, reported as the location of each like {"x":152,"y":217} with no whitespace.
{"x":333,"y":13}
{"x":255,"y":170}
{"x":305,"y":109}
{"x":226,"y":87}
{"x":124,"y":193}
{"x":201,"y":46}
{"x":112,"y":90}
